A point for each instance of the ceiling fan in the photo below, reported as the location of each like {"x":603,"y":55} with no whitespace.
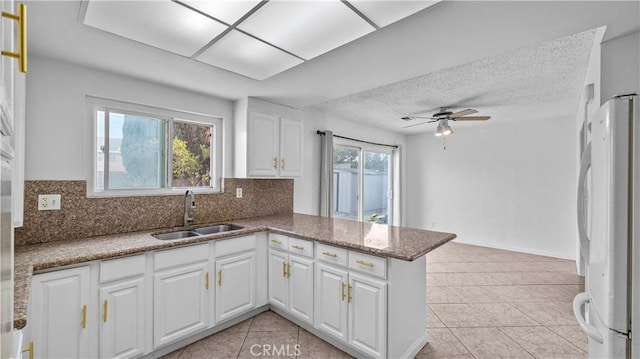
{"x":443,"y":118}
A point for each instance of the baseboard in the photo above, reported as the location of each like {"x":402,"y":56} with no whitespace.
{"x":417,"y":346}
{"x":520,"y":250}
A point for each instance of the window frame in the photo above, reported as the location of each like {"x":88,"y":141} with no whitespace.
{"x":168,"y":116}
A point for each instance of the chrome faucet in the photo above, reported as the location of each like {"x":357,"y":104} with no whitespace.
{"x":188,"y":220}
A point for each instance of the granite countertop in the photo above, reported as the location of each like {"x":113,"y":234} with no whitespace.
{"x":376,"y":239}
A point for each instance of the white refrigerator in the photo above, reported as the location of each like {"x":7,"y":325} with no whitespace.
{"x":608,"y":309}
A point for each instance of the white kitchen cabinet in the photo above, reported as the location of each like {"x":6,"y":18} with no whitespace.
{"x":235,"y":285}
{"x":59,"y":314}
{"x":122,"y":319}
{"x":278,"y":288}
{"x":180,"y":303}
{"x":352,"y":308}
{"x":291,"y":284}
{"x":268,"y":140}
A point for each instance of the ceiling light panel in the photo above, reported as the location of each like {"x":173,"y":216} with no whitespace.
{"x":306,"y":28}
{"x":383,"y":13}
{"x":228,"y":11}
{"x":247,"y":56}
{"x":162,"y":24}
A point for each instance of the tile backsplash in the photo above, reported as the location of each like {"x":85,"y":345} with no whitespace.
{"x":81,"y":217}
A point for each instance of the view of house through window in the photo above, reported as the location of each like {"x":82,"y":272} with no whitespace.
{"x":362,"y":184}
{"x":191,"y":165}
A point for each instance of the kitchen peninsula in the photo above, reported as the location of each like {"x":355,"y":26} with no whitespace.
{"x":359,"y":286}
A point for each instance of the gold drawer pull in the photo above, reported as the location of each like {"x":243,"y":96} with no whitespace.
{"x":21,"y":54}
{"x":84,"y":316}
{"x":105,"y":306}
{"x":283,"y":163}
{"x":284,"y":269}
{"x":343,"y":294}
{"x":220,"y":277}
{"x":275,"y":241}
{"x":29,"y":349}
{"x":328,"y":254}
{"x":349,"y":294}
{"x":368,"y":264}
{"x":275,"y":163}
{"x":206,"y":280}
{"x":288,"y":270}
{"x":298,"y":247}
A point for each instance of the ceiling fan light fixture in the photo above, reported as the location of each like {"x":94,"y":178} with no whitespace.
{"x":439,"y":130}
{"x":446,"y":129}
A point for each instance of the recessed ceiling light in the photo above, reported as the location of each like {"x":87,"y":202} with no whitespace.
{"x":228,"y":11}
{"x":383,"y":13}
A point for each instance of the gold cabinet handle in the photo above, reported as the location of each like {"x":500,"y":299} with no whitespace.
{"x":343,"y":294}
{"x":206,"y":280}
{"x":275,"y":163}
{"x":29,"y":349}
{"x":328,"y":254}
{"x":84,"y":316}
{"x":283,"y":163}
{"x":220,"y":277}
{"x":298,"y":247}
{"x":284,"y":269}
{"x":288,"y":270}
{"x":368,"y":264}
{"x":105,"y":306}
{"x":349,"y":294}
{"x":275,"y":241}
{"x":21,"y":54}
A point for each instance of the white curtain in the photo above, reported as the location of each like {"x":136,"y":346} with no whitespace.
{"x":326,"y":174}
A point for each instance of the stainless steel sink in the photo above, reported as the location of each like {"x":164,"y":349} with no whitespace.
{"x":176,"y":235}
{"x":219,"y":228}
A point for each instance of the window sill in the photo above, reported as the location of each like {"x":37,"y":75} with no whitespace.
{"x":150,"y":193}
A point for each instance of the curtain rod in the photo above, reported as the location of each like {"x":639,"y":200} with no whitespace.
{"x":354,"y":139}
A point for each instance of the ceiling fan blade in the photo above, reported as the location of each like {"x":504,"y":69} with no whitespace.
{"x":463,"y":113}
{"x":406,"y":118}
{"x":418,"y":124}
{"x":471,"y":118}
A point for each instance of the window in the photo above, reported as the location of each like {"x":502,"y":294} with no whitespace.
{"x":142,"y":150}
{"x":362,"y":183}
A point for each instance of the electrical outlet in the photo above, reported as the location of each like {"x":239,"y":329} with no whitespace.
{"x":49,"y":202}
{"x":238,"y":192}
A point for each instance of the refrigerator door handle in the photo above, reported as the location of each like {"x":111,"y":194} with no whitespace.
{"x":585,"y":164}
{"x":580,"y":300}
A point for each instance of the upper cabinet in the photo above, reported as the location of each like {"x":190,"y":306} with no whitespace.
{"x":268,"y":140}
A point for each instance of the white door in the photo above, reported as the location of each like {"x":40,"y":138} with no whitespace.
{"x":278,"y":281}
{"x":331,"y":301}
{"x":290,"y":148}
{"x":262,"y":145}
{"x":180,"y":304}
{"x":301,"y":288}
{"x":367,"y":315}
{"x":236,"y":282}
{"x":59,"y":312}
{"x":122,"y":319}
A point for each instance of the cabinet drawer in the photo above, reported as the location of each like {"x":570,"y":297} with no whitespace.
{"x":332,"y":254}
{"x":179,"y":256}
{"x":278,"y":241}
{"x":120,"y":268}
{"x":376,"y":266}
{"x":225,"y":247}
{"x":301,"y":247}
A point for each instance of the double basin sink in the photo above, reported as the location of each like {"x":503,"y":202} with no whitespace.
{"x":202,"y":231}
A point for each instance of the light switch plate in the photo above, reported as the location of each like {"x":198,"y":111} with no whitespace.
{"x":49,"y":202}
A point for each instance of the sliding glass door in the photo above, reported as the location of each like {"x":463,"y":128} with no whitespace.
{"x":362,"y":183}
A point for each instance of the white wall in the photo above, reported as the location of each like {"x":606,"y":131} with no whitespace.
{"x":307,"y":188}
{"x":620,"y":66}
{"x":56,"y":127}
{"x":504,"y":185}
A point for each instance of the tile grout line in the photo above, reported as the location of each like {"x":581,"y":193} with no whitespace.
{"x":516,"y":343}
{"x":246,"y":334}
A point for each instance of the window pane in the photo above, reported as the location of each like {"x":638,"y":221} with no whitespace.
{"x":99,"y":185}
{"x":136,"y":151}
{"x":192,"y":144}
{"x":346,"y":169}
{"x":376,"y":187}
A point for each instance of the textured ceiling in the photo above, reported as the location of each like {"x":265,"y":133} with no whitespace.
{"x":529,"y":83}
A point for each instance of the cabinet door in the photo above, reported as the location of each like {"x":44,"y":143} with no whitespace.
{"x":301,"y":288}
{"x":278,"y":281}
{"x":291,"y":149}
{"x":262,"y":145}
{"x":122,"y":319}
{"x":368,"y":315}
{"x":180,"y":303}
{"x":59,"y":312}
{"x":331,"y":301}
{"x":236,"y":283}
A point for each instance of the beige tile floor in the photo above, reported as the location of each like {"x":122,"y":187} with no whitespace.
{"x":482,"y":303}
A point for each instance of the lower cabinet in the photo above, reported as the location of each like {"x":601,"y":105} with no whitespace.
{"x":59,"y":325}
{"x":236,"y":285}
{"x":352,"y":308}
{"x":291,"y":284}
{"x":122,"y":331}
